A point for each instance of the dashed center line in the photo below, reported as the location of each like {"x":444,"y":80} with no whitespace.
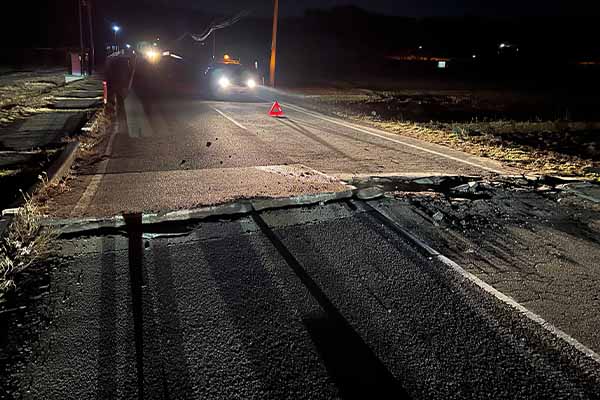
{"x":229,"y":118}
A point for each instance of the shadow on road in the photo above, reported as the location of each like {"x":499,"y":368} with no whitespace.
{"x":108,"y":324}
{"x":136,"y":261}
{"x":357,"y":371}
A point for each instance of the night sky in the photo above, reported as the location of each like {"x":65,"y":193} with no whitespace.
{"x":397,"y":7}
{"x":52,"y":23}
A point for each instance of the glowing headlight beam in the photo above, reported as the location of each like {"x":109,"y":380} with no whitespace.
{"x":251,"y":83}
{"x":152,"y":56}
{"x":224,"y":82}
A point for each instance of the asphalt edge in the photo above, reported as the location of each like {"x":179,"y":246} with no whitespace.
{"x":72,"y":226}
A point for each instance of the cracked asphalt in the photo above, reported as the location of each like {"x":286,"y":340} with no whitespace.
{"x":315,"y":302}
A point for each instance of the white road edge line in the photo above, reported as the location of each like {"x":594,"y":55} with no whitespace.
{"x":381,"y":136}
{"x":90,"y":191}
{"x":493,"y":291}
{"x":229,"y":118}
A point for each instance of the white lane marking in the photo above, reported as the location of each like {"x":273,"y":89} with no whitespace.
{"x":492,"y":290}
{"x":229,"y":118}
{"x":109,"y":146}
{"x":373,"y":132}
{"x":90,"y":191}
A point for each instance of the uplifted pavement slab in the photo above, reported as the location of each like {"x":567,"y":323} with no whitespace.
{"x":93,"y":83}
{"x":78,"y":93}
{"x":584,"y":190}
{"x":66,"y":104}
{"x":41,"y":130}
{"x":15,"y":159}
{"x":105,"y":195}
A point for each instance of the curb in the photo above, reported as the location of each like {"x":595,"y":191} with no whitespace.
{"x":59,"y":168}
{"x":56,"y":171}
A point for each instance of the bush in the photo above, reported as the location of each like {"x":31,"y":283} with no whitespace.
{"x":25,"y":245}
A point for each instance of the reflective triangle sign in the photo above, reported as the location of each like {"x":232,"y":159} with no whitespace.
{"x":276,"y":110}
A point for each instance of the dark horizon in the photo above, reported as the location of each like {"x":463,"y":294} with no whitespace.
{"x":55,"y":22}
{"x":407,"y":8}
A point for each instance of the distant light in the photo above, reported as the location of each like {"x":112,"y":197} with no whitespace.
{"x":176,"y":56}
{"x":158,"y":39}
{"x":154,"y":44}
{"x":128,"y":46}
{"x":226,"y":57}
{"x":442,"y":64}
{"x":251,"y":83}
{"x":503,"y":45}
{"x":420,"y":47}
{"x":166,"y":53}
{"x":116,"y":28}
{"x":474,"y":55}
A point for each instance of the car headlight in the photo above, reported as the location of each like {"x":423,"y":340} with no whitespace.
{"x":151,"y":55}
{"x":224,"y":82}
{"x":251,"y":83}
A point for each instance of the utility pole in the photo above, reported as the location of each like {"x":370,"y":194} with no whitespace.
{"x":274,"y":45}
{"x":92,"y":63}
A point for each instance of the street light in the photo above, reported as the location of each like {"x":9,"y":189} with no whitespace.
{"x":116,"y":29}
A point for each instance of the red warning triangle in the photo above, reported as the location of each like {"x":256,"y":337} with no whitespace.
{"x":276,"y":110}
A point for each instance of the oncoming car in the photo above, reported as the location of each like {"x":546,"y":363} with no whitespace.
{"x":229,"y":76}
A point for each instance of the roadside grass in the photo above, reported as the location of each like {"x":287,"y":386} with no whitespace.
{"x":9,"y":172}
{"x":99,"y":129}
{"x":555,"y":147}
{"x":522,"y":156}
{"x":26,"y":243}
{"x":25,"y":246}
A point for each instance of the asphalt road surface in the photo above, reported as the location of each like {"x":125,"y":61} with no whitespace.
{"x":174,"y":152}
{"x":324,"y":301}
{"x":316,"y":302}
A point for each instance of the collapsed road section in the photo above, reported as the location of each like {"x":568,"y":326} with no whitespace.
{"x":316,"y":301}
